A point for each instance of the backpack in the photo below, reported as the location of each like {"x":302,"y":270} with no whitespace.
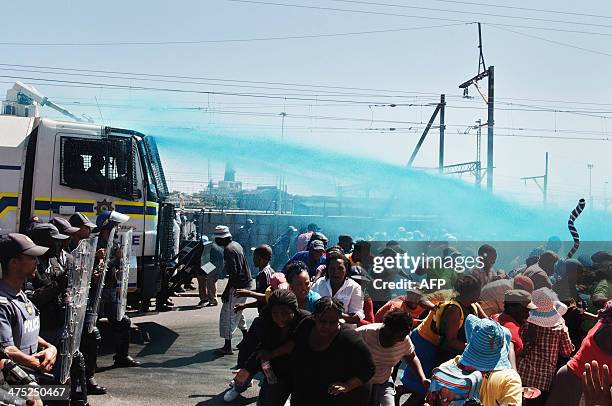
{"x":451,"y":382}
{"x":433,"y":326}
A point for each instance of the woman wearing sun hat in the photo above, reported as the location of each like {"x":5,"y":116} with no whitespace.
{"x":544,"y":339}
{"x":488,"y":351}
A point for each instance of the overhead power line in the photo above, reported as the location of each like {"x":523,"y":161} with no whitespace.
{"x":154,"y":75}
{"x":225,"y":41}
{"x":522,"y":17}
{"x":387,"y":92}
{"x":564,"y":44}
{"x":539,"y":10}
{"x":389,"y":14}
{"x":414,"y":125}
{"x":276,"y":96}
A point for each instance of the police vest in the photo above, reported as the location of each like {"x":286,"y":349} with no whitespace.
{"x":26,"y":327}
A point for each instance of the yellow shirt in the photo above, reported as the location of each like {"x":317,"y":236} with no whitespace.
{"x":504,"y":387}
{"x":499,"y":387}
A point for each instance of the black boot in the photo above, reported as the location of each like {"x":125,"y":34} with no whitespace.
{"x":93,"y":388}
{"x":126,"y":362}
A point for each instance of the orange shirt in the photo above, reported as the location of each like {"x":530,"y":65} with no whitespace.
{"x":398,"y":303}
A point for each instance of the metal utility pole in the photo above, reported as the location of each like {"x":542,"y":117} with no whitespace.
{"x":478,"y":147}
{"x":489,"y":100}
{"x":490,"y":122}
{"x":544,"y":177}
{"x":590,"y":166}
{"x":281,"y":180}
{"x":439,"y":107}
{"x":442,"y":128}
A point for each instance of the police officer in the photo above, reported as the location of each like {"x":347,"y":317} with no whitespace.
{"x":90,"y":342}
{"x":19,"y":318}
{"x":85,"y":226}
{"x":108,"y":306}
{"x":51,"y":292}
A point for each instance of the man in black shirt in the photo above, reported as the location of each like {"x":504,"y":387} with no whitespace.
{"x":239,"y":277}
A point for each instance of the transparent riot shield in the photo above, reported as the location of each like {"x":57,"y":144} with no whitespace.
{"x":123,"y":274}
{"x":97,"y":283}
{"x":79,"y":276}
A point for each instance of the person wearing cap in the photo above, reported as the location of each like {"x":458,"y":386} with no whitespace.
{"x":489,"y":350}
{"x":313,"y":258}
{"x":239,"y":277}
{"x":105,"y":222}
{"x":492,"y":294}
{"x":64,"y":227}
{"x":517,"y":304}
{"x":50,"y":284}
{"x":19,"y":317}
{"x":90,"y":341}
{"x":337,"y":284}
{"x":544,"y":339}
{"x":84,"y":225}
{"x":389,"y":343}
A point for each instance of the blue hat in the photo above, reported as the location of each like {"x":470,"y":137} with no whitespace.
{"x":109,"y":219}
{"x":488,"y":345}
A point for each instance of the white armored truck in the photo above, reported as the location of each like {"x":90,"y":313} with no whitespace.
{"x":51,"y":168}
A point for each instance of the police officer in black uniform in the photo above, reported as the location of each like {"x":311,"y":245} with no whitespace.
{"x":19,"y":318}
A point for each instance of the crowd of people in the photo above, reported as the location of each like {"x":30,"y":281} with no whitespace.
{"x":325,"y":334}
{"x":539,"y":335}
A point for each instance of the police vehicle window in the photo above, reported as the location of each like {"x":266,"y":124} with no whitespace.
{"x":151,"y":189}
{"x":103,"y":166}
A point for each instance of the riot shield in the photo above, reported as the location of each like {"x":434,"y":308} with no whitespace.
{"x":79,"y":277}
{"x":123,"y":275}
{"x":97,"y":282}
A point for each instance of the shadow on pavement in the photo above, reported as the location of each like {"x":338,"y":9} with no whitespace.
{"x":201,"y":357}
{"x":157,"y":339}
{"x":218,"y":400}
{"x":183,"y":308}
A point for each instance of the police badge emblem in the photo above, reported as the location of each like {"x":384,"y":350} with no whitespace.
{"x":29,"y":308}
{"x":104,"y":205}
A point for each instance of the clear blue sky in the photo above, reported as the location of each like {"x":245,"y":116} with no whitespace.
{"x":430,"y":61}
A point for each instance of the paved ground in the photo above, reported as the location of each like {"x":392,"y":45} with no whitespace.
{"x":179,"y":366}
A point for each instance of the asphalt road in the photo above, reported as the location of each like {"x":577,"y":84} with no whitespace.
{"x":179,"y":366}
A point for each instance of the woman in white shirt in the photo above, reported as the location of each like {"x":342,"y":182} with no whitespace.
{"x":336,"y":283}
